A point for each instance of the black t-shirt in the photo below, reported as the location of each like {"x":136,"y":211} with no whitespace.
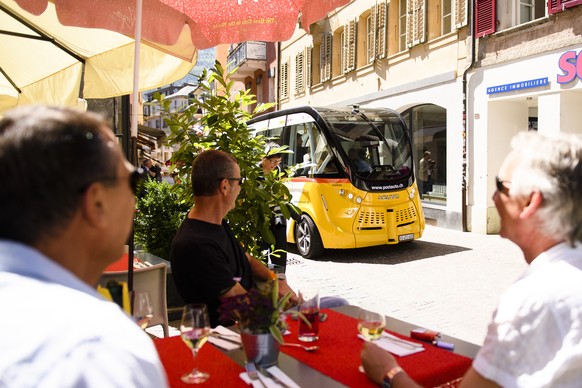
{"x":207,"y":261}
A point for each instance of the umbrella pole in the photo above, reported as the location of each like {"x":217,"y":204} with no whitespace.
{"x":134,"y":112}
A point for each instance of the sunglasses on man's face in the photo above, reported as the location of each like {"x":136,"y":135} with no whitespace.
{"x":135,"y":180}
{"x":501,"y":186}
{"x":239,"y":180}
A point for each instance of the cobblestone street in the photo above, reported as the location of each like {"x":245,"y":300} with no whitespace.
{"x":447,"y":281}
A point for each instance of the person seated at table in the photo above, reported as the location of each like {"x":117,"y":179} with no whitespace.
{"x":208,"y":263}
{"x":534,"y":337}
{"x":58,"y":232}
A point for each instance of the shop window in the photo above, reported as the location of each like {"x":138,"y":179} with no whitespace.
{"x":428,"y":129}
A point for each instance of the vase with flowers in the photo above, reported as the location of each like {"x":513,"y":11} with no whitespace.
{"x":261,"y":319}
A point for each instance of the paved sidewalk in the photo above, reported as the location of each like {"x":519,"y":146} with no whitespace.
{"x":454,"y":293}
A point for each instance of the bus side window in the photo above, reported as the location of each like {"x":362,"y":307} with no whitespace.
{"x":322,"y":158}
{"x":293,"y":137}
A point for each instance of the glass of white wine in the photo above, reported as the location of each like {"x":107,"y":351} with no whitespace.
{"x":371,"y":324}
{"x":195,"y":329}
{"x":143,"y":311}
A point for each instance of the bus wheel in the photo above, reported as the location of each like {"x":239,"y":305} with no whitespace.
{"x":307,"y":238}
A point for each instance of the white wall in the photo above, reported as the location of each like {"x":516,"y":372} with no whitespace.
{"x":495,"y":118}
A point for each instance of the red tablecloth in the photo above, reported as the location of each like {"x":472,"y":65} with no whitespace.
{"x":121,"y":264}
{"x":177,"y":360}
{"x":338,"y":356}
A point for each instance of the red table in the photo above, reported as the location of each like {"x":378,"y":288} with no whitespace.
{"x":177,"y":360}
{"x":338,"y":356}
{"x":334,"y":364}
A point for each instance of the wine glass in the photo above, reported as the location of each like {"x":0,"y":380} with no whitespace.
{"x":142,"y":308}
{"x":371,"y":324}
{"x":195,"y":329}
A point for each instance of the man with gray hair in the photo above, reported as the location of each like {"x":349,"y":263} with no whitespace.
{"x":535,"y":336}
{"x":63,"y":221}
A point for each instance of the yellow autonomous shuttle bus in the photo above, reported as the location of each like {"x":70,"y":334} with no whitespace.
{"x":353,"y":176}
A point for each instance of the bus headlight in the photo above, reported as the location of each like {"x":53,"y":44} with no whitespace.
{"x":350,"y":196}
{"x":341,"y":192}
{"x":411,"y":195}
{"x":358,"y":200}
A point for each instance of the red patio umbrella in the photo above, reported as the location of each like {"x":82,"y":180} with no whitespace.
{"x":207,"y":23}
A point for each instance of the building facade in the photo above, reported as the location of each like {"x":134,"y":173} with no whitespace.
{"x":464,"y":76}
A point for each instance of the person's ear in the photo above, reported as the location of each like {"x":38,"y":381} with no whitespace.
{"x":535,"y":201}
{"x":93,"y":205}
{"x":222,"y":187}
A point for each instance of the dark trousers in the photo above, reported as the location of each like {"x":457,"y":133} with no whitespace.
{"x":280,"y":234}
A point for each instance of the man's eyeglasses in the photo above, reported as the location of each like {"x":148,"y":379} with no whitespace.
{"x":135,"y":180}
{"x":240,"y":180}
{"x":501,"y":186}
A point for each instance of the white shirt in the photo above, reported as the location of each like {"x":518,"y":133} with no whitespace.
{"x":535,"y":338}
{"x":56,"y":331}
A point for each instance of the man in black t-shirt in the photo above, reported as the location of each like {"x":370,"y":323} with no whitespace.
{"x":208,"y":263}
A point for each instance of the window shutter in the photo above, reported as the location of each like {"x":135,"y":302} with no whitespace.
{"x":416,"y":22}
{"x":485,"y":17}
{"x":344,"y":50}
{"x":374,"y":22}
{"x":381,"y":14}
{"x":559,"y":5}
{"x":420,"y":22}
{"x":460,"y":13}
{"x":308,"y":51}
{"x":300,"y":73}
{"x":325,"y":54}
{"x":284,"y":80}
{"x":409,"y":23}
{"x":349,"y":47}
{"x":554,"y":6}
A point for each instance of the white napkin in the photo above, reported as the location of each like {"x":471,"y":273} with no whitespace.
{"x":230,"y":337}
{"x":268,"y":382}
{"x":397,"y":345}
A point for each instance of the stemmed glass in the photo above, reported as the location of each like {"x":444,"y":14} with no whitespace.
{"x":195,"y":329}
{"x":371,"y":324}
{"x":143,"y":311}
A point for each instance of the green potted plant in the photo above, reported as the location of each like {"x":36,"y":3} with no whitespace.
{"x":261,"y":318}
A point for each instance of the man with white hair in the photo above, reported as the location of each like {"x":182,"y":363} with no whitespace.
{"x":535,"y":336}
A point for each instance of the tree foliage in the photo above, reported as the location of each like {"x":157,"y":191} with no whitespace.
{"x":158,"y":216}
{"x":222,"y":126}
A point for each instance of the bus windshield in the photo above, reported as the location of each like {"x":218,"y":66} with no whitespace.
{"x":375,"y":143}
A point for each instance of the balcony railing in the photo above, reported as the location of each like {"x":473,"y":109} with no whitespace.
{"x":248,"y":57}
